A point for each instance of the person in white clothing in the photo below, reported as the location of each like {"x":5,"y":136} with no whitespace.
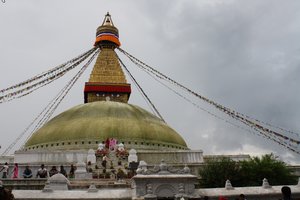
{"x":5,"y":170}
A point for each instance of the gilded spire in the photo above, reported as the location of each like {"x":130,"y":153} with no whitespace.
{"x":107,"y":68}
{"x":107,"y":20}
{"x":107,"y":80}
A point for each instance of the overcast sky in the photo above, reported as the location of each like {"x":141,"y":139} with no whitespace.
{"x":241,"y":54}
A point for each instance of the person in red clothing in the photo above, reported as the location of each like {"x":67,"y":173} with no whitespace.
{"x":15,"y":172}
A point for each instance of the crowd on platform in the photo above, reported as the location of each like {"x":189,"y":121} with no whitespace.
{"x":41,"y":173}
{"x":44,"y":173}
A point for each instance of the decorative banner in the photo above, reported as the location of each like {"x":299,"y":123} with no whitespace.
{"x":26,"y":87}
{"x":60,"y":67}
{"x":51,"y":107}
{"x":141,"y":90}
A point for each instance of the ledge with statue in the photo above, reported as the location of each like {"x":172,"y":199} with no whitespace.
{"x":110,"y":161}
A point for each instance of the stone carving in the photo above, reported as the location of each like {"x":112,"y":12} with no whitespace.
{"x":181,"y":188}
{"x":162,"y":169}
{"x":56,"y":182}
{"x":102,"y":150}
{"x":149,"y":193}
{"x":47,"y":187}
{"x":80,"y":172}
{"x":91,"y":156}
{"x":142,"y":168}
{"x":186,"y":170}
{"x":101,"y":147}
{"x":228,"y":185}
{"x":181,"y":192}
{"x":121,"y":147}
{"x":132,"y":156}
{"x":164,"y":182}
{"x":165,"y":190}
{"x":121,"y":152}
{"x":266,"y":184}
{"x":149,"y":189}
{"x":92,"y":188}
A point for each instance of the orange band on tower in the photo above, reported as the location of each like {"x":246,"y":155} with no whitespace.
{"x":108,"y":38}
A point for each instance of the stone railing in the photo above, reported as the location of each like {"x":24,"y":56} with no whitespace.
{"x":24,"y":184}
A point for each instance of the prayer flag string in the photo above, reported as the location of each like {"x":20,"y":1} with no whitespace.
{"x":254,"y":124}
{"x":54,"y":103}
{"x":26,"y":87}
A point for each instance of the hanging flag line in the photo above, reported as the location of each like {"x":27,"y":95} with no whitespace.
{"x":64,"y":92}
{"x":141,"y":90}
{"x":201,"y":108}
{"x":26,"y":87}
{"x":271,"y":137}
{"x":46,"y":72}
{"x":61,"y":95}
{"x":254,"y":124}
{"x":262,"y":134}
{"x":51,"y":107}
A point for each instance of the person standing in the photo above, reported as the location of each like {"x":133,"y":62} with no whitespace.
{"x":104,"y":161}
{"x":5,"y":170}
{"x":63,"y":171}
{"x":72,"y":171}
{"x":15,"y":171}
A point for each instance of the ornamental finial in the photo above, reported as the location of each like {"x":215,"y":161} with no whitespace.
{"x":107,"y":34}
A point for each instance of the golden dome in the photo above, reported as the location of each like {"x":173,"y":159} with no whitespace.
{"x":85,"y":126}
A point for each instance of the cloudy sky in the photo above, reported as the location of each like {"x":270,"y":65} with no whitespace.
{"x":241,"y":54}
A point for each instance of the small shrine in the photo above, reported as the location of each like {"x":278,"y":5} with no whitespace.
{"x":111,"y":161}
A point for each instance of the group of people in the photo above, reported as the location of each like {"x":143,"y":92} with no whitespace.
{"x":41,"y":173}
{"x":5,"y":170}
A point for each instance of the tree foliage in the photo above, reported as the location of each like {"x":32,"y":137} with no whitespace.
{"x":216,"y":171}
{"x":256,"y":169}
{"x":250,"y":172}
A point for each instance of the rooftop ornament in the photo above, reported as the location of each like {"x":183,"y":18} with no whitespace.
{"x":107,"y":33}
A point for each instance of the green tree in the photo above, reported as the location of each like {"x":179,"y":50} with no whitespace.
{"x":216,"y":171}
{"x":245,"y":173}
{"x":253,"y":171}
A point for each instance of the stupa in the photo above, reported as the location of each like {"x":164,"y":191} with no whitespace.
{"x":105,"y":117}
